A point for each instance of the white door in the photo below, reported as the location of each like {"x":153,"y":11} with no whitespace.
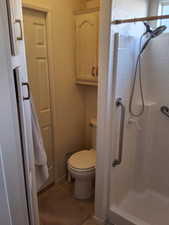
{"x":13,"y":200}
{"x":87,"y":46}
{"x":35,"y":31}
{"x":18,"y":64}
{"x":4,"y":204}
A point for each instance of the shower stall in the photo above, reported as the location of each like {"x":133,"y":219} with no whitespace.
{"x":139,"y":182}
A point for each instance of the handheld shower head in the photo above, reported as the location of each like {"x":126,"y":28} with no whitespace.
{"x":158,"y":31}
{"x":149,"y":34}
{"x":153,"y":34}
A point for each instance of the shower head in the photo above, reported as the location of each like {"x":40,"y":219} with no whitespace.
{"x":156,"y":32}
{"x":148,"y":35}
{"x":153,"y":34}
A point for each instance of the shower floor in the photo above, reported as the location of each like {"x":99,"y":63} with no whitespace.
{"x":148,"y":208}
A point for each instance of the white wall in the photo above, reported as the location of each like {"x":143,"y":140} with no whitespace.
{"x":123,"y":176}
{"x":153,"y":10}
{"x":153,"y":7}
{"x":90,"y":112}
{"x":130,"y":8}
{"x":157,"y":78}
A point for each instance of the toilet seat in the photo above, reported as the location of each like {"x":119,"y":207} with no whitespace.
{"x":81,"y":170}
{"x":83,"y":161}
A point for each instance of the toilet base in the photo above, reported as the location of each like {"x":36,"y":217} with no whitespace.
{"x":83,"y":189}
{"x":83,"y":186}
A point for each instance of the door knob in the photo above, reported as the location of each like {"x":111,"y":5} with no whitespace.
{"x":93,"y":72}
{"x":97,"y":71}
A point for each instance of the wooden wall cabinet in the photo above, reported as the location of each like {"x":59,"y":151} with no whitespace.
{"x":87,"y":32}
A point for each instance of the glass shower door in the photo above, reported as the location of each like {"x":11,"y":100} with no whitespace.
{"x":139,"y":176}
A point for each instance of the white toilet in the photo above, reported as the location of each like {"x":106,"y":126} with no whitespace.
{"x":81,"y":167}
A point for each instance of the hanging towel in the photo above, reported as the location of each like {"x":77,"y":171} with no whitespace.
{"x":41,"y":167}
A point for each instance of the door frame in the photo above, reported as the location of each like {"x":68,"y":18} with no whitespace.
{"x":50,"y":55}
{"x":105,"y":112}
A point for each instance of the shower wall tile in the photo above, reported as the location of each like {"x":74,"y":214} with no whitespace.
{"x":156,"y":85}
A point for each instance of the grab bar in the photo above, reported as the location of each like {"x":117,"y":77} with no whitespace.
{"x":165,"y":110}
{"x":118,"y":161}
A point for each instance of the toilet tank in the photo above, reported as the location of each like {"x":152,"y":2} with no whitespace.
{"x":93,"y":124}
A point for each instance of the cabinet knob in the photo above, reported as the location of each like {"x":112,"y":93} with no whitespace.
{"x":93,"y":71}
{"x":97,"y":71}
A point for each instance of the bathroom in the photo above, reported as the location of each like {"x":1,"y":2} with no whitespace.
{"x":98,"y":80}
{"x":63,"y":80}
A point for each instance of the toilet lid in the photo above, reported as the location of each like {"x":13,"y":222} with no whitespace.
{"x":83,"y":160}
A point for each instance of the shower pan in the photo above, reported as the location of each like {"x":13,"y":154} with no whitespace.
{"x":139,"y":182}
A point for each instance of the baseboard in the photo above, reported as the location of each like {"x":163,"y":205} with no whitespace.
{"x":99,"y":221}
{"x":60,"y":180}
{"x":46,"y":188}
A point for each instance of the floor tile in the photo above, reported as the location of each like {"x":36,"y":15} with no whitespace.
{"x":57,"y":206}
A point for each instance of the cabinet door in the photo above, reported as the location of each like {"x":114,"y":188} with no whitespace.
{"x":87,"y":47}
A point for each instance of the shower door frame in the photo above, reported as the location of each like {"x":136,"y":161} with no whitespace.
{"x":106,"y":110}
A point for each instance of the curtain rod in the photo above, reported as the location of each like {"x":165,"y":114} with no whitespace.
{"x":150,"y":18}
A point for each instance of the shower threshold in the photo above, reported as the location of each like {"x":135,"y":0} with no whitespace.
{"x":147,"y":208}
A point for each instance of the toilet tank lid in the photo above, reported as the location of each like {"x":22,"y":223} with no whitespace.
{"x":84,"y":159}
{"x":93,"y":122}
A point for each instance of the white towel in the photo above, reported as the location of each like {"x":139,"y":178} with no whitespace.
{"x":41,"y":167}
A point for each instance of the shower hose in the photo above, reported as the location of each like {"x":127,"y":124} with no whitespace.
{"x":138,"y":70}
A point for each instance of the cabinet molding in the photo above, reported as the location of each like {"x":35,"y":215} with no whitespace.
{"x":86,"y":83}
{"x":84,"y":11}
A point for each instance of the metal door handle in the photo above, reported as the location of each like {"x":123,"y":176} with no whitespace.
{"x":28,"y":88}
{"x":118,"y":161}
{"x":21,"y":35}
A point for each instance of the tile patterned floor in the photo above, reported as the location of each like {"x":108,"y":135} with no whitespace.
{"x":57,"y":206}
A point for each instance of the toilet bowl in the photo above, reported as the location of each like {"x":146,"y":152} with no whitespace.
{"x":81,"y":167}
